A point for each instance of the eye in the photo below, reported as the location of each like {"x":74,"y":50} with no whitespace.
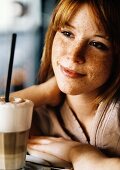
{"x":99,"y":45}
{"x":67,"y":34}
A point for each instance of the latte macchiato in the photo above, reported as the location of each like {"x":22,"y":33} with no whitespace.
{"x":15,"y":122}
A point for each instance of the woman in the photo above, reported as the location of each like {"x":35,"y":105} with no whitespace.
{"x":82,"y":50}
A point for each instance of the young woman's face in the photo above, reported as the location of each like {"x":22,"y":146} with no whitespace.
{"x":81,"y":54}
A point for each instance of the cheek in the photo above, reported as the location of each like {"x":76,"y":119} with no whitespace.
{"x":59,"y":45}
{"x":55,"y":51}
{"x":58,"y":50}
{"x":100,"y":71}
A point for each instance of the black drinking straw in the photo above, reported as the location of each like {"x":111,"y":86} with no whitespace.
{"x":10,"y":67}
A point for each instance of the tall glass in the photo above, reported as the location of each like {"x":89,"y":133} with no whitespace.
{"x":15,"y":122}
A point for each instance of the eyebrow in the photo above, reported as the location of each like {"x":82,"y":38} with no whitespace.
{"x":67,"y":24}
{"x":102,"y":36}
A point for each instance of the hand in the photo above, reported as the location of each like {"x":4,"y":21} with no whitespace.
{"x":45,"y":93}
{"x":60,"y":151}
{"x":54,"y":150}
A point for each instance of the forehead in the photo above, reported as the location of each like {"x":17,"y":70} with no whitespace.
{"x":84,"y":17}
{"x":71,"y":10}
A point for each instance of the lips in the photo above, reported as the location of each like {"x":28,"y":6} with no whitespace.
{"x":70,"y":73}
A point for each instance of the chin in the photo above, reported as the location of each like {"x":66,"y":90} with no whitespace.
{"x":69,"y":90}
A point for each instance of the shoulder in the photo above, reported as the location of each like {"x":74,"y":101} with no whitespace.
{"x":108,"y":136}
{"x":114,"y":107}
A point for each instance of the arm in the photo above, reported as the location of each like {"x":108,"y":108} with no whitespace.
{"x":81,"y":156}
{"x":45,"y":93}
{"x":88,"y":157}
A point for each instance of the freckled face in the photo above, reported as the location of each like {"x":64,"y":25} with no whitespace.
{"x":81,"y":55}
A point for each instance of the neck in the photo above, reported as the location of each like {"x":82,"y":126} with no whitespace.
{"x":82,"y":104}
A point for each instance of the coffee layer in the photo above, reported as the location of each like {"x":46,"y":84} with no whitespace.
{"x":13,"y":150}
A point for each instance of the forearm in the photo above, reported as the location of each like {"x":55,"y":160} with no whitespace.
{"x":45,"y":93}
{"x":35,"y":93}
{"x":90,"y":158}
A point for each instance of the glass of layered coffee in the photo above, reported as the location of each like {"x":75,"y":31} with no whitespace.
{"x":15,"y":122}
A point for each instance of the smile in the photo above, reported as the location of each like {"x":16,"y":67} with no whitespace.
{"x":70,"y":73}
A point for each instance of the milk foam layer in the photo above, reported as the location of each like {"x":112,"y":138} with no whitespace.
{"x":16,"y":115}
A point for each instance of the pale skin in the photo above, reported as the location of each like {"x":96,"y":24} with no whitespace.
{"x":41,"y":94}
{"x":60,"y":151}
{"x":82,"y":61}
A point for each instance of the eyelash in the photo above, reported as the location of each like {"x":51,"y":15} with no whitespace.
{"x":67,"y":34}
{"x":95,"y":44}
{"x":98,"y":45}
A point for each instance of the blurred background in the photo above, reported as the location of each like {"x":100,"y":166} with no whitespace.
{"x":29,"y":19}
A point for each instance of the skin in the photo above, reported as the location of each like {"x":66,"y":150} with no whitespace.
{"x":80,"y":64}
{"x":61,"y":152}
{"x":82,"y":61}
{"x":41,"y":94}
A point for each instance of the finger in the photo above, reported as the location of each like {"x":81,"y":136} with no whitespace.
{"x":42,"y":148}
{"x":52,"y":149}
{"x":45,"y":139}
{"x":39,"y":141}
{"x":48,"y":137}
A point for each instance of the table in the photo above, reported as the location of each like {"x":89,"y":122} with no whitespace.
{"x":34,"y":166}
{"x":34,"y":163}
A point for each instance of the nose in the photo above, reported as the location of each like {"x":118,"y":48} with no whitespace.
{"x":77,"y":52}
